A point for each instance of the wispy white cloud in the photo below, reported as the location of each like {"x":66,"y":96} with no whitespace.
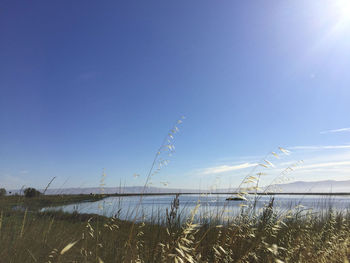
{"x":320,"y":147}
{"x":318,"y":164}
{"x":336,"y":130}
{"x":225,"y":168}
{"x":327,"y":164}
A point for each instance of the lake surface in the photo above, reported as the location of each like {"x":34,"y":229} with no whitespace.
{"x":153,"y":208}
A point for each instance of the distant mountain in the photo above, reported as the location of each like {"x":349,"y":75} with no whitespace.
{"x":329,"y":186}
{"x":112,"y":190}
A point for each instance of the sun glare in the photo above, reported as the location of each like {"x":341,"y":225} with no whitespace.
{"x":343,"y":11}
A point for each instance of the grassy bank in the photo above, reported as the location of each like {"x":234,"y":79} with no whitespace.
{"x":38,"y":202}
{"x":59,"y":237}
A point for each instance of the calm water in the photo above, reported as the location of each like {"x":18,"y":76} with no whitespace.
{"x":153,"y":207}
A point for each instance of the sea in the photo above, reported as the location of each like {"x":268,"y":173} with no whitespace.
{"x":207,"y":207}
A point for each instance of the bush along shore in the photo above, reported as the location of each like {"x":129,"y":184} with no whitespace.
{"x":27,"y":235}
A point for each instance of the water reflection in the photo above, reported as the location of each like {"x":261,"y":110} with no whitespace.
{"x":153,"y":208}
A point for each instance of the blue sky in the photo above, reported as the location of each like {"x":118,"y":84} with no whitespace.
{"x":87,"y":85}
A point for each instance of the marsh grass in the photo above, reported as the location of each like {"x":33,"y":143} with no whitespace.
{"x":295,"y":235}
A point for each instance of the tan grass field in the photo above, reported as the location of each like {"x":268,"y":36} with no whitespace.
{"x":32,"y":236}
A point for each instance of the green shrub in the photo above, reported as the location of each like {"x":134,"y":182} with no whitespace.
{"x":31,"y":192}
{"x":2,"y":191}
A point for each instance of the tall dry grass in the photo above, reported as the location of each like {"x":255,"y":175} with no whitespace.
{"x":296,"y":236}
{"x":250,"y":236}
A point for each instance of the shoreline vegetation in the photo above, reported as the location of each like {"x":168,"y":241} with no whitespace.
{"x":95,"y":197}
{"x":29,"y":235}
{"x":227,"y":193}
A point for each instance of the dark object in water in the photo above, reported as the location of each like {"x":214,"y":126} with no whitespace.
{"x":234,"y":199}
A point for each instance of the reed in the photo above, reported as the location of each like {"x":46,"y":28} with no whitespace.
{"x":297,"y":235}
{"x":294,"y":236}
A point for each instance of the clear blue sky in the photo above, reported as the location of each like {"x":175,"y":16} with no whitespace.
{"x":87,"y":85}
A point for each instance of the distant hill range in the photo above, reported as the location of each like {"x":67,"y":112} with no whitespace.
{"x":329,"y":186}
{"x":114,"y":190}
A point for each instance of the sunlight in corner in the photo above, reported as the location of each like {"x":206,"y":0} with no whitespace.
{"x":337,"y":15}
{"x":342,"y":13}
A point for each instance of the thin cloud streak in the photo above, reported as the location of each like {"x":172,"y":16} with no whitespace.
{"x":323,"y":147}
{"x":329,"y":164}
{"x":226,"y":168}
{"x":336,"y":130}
